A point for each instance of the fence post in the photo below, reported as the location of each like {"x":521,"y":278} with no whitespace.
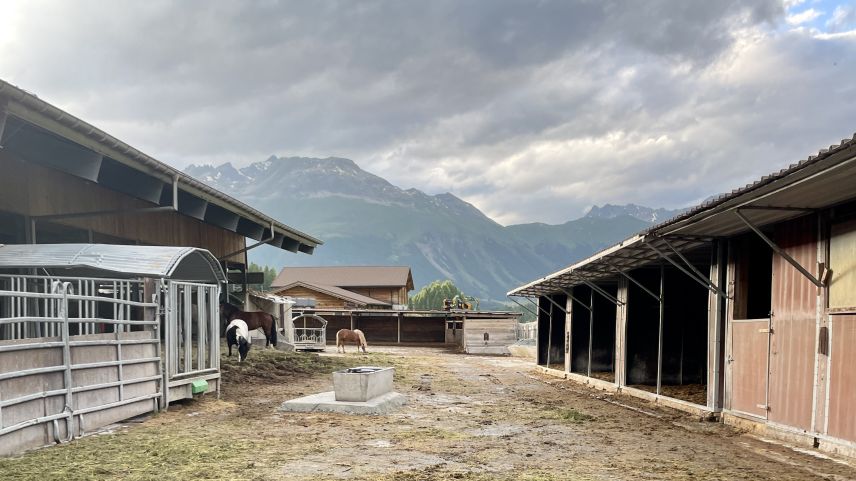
{"x":66,"y":358}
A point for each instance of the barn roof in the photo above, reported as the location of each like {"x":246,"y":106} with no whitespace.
{"x":100,"y":260}
{"x":334,"y":291}
{"x":818,"y":182}
{"x":348,"y":276}
{"x":39,"y":132}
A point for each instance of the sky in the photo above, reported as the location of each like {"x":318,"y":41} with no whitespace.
{"x":531,"y":110}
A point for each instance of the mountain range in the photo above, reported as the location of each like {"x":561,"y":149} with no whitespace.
{"x":365,"y":220}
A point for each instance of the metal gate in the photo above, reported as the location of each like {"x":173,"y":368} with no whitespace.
{"x":72,"y":348}
{"x":192,"y":337}
{"x":310,"y":338}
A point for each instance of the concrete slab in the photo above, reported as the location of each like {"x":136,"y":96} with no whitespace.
{"x":326,"y":402}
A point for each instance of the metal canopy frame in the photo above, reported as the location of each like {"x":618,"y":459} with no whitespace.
{"x":570,"y":295}
{"x":778,"y":250}
{"x":694,"y":274}
{"x":523,"y":306}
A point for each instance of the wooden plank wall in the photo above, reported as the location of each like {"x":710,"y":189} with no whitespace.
{"x":501,"y":333}
{"x":322,"y":301}
{"x":423,"y":329}
{"x":36,"y":190}
{"x":392,"y":295}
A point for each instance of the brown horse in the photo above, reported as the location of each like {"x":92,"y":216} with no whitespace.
{"x":346,"y":335}
{"x":254,"y":320}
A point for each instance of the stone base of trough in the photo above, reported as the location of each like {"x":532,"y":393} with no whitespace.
{"x":326,"y":402}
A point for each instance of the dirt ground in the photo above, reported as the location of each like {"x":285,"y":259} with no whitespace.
{"x":467,"y":417}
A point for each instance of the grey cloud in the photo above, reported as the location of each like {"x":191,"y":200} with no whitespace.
{"x":532,"y":110}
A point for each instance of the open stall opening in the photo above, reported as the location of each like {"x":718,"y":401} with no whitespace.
{"x":603,"y":334}
{"x":669,"y":358}
{"x":685,"y":321}
{"x":643,"y":325}
{"x":580,"y":330}
{"x":551,"y":331}
{"x":593,"y":332}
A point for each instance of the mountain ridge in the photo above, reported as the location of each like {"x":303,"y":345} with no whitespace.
{"x":366,"y":220}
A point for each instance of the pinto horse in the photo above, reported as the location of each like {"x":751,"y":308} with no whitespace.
{"x":254,"y":320}
{"x":237,"y":334}
{"x":346,"y":335}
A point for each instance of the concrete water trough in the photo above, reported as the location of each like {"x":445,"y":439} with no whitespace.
{"x":358,"y":390}
{"x":362,"y":383}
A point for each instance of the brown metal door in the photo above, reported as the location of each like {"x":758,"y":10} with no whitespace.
{"x":794,"y":306}
{"x":750,"y":347}
{"x":841,"y":422}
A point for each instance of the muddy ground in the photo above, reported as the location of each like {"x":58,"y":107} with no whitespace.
{"x":467,"y":418}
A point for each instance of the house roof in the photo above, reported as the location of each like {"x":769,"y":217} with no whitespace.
{"x":39,"y":132}
{"x":182,"y":263}
{"x":335,"y":292}
{"x":818,"y":182}
{"x":348,"y":276}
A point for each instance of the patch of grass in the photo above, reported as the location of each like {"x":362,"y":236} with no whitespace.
{"x":272,"y":365}
{"x":570,"y":415}
{"x":440,"y":474}
{"x":427,"y":433}
{"x":140,"y":454}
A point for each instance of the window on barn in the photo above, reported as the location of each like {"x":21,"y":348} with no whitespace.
{"x":842,"y":262}
{"x":753,"y":285}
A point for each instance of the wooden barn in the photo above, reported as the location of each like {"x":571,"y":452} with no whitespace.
{"x":742,"y":308}
{"x":112,"y":265}
{"x":66,"y":181}
{"x":476,"y":332}
{"x":347,"y":287}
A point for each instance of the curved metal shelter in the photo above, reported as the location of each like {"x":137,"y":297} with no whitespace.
{"x":126,"y":261}
{"x":92,"y":334}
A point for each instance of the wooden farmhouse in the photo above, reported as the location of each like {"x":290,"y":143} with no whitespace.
{"x":742,"y":308}
{"x":365,"y":287}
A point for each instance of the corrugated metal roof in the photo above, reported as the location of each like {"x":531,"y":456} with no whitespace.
{"x":814,"y":183}
{"x":814,"y":164}
{"x":146,"y":163}
{"x":347,"y":276}
{"x":180,"y":263}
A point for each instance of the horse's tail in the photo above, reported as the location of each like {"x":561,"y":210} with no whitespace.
{"x":273,"y":330}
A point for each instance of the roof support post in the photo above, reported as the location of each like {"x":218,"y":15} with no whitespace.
{"x":685,"y":271}
{"x":779,"y":250}
{"x":245,"y":249}
{"x":569,"y":294}
{"x":660,"y":336}
{"x":639,"y":284}
{"x":591,"y":333}
{"x":711,"y":285}
{"x":602,"y":292}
